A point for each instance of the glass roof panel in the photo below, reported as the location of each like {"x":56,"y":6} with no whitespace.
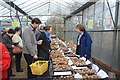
{"x":38,"y":12}
{"x":34,"y":5}
{"x":59,"y":10}
{"x":19,"y":2}
{"x":45,"y":7}
{"x":37,"y":7}
{"x":3,"y":11}
{"x":6,"y":12}
{"x":30,"y":3}
{"x":43,"y":10}
{"x":1,"y":7}
{"x":63,"y":5}
{"x":60,"y":7}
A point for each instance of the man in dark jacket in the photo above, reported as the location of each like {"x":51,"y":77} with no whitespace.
{"x":7,"y":40}
{"x":84,"y":42}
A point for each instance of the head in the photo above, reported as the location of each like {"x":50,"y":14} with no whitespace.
{"x":35,"y":22}
{"x":5,"y":29}
{"x":80,"y":28}
{"x":17,"y":30}
{"x":48,"y":29}
{"x":41,"y":28}
{"x":10,"y":32}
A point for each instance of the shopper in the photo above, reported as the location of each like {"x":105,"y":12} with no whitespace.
{"x":44,"y":48}
{"x":84,"y":42}
{"x":7,"y":40}
{"x":5,"y":30}
{"x":30,"y":44}
{"x":40,"y":29}
{"x":18,"y":42}
{"x":4,"y":62}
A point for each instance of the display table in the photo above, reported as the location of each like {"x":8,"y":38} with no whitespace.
{"x":65,"y":64}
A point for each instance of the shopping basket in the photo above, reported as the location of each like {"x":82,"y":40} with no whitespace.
{"x":39,"y":67}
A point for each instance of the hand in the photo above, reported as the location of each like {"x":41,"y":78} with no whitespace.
{"x":40,"y":42}
{"x":35,"y":57}
{"x":49,"y":50}
{"x":13,"y":46}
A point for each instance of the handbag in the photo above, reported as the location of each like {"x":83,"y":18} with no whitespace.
{"x":17,"y":50}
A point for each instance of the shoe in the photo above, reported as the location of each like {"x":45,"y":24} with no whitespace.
{"x":12,"y":75}
{"x":20,"y":70}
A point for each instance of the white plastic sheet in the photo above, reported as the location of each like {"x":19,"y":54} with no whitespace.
{"x":63,"y":73}
{"x":87,"y":62}
{"x":74,"y":67}
{"x":78,"y":75}
{"x":83,"y":58}
{"x":102,"y":74}
{"x":95,"y":67}
{"x":70,"y":62}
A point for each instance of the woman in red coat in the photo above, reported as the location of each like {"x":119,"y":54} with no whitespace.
{"x":4,"y":61}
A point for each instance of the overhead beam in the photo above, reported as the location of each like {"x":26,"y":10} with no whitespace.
{"x":18,"y":9}
{"x":86,"y":5}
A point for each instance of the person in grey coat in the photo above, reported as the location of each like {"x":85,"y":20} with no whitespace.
{"x":30,"y":44}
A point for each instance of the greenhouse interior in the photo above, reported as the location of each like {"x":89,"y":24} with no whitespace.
{"x":67,"y":56}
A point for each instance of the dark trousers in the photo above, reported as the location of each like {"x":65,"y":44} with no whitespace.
{"x":10,"y":69}
{"x":29,"y":60}
{"x":5,"y":79}
{"x":18,"y":61}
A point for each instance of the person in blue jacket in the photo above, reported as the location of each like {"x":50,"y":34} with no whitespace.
{"x":84,"y":42}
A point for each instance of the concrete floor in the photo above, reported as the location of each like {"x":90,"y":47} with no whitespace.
{"x":23,"y":65}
